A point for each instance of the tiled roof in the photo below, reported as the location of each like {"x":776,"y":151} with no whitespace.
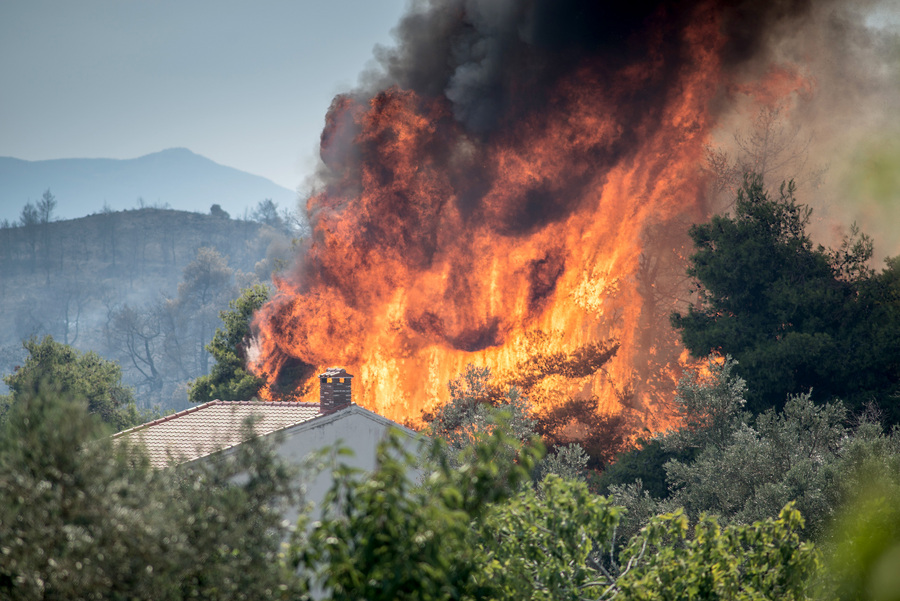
{"x":213,"y":426}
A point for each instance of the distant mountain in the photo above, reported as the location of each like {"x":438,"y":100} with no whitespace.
{"x":176,"y":177}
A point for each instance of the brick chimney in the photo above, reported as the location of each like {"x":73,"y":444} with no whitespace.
{"x":334,"y":388}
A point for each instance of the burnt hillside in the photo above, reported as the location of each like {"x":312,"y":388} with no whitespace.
{"x":128,"y":243}
{"x":74,"y":280}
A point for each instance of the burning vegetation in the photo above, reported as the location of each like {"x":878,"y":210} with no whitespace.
{"x":512,"y":187}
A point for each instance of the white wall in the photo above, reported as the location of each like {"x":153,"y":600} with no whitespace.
{"x":355,"y":428}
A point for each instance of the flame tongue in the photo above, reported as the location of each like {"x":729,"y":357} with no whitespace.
{"x":437,"y":243}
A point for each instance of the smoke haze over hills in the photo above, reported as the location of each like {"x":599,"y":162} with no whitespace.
{"x":175,"y":177}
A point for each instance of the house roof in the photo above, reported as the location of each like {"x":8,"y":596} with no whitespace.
{"x":214,"y":426}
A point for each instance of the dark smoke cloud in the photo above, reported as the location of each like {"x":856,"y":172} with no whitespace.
{"x":486,"y":56}
{"x":499,"y":64}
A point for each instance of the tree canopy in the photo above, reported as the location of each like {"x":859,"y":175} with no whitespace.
{"x":744,"y":468}
{"x":82,"y":377}
{"x":796,"y":317}
{"x":472,"y":413}
{"x":478,"y":529}
{"x":229,"y":379}
{"x":88,"y":518}
{"x":83,"y":516}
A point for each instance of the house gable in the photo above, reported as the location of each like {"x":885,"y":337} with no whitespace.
{"x":215,"y":426}
{"x":220,"y":426}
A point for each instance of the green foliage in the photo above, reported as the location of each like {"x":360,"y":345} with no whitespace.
{"x":793,"y":455}
{"x":475,"y":409}
{"x":795,"y":316}
{"x":86,"y":517}
{"x":63,"y":501}
{"x":84,"y":377}
{"x":744,"y":469}
{"x":474,"y":532}
{"x":229,"y":515}
{"x":763,"y":560}
{"x":862,"y":561}
{"x":644,"y":463}
{"x":383,"y":537}
{"x":83,"y":517}
{"x":569,"y":462}
{"x":710,"y":406}
{"x":643,"y":480}
{"x":229,"y":379}
{"x":639,"y":507}
{"x":470,"y":413}
{"x":540,"y":545}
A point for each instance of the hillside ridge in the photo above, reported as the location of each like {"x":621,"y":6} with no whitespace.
{"x":111,"y":282}
{"x":174,"y":177}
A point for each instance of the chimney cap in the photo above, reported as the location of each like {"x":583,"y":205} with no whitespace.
{"x":335,"y":372}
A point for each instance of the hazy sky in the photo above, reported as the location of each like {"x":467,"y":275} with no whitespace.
{"x":243,"y":83}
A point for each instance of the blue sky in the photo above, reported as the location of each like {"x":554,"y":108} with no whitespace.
{"x":246,"y":84}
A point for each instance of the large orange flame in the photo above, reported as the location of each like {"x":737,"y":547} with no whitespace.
{"x":434,"y":247}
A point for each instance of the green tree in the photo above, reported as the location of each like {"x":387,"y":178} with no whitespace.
{"x":790,"y":456}
{"x":550,"y":543}
{"x":83,"y":516}
{"x":229,"y":378}
{"x":763,"y":560}
{"x":470,"y":413}
{"x":709,"y":403}
{"x":742,"y":468}
{"x":63,"y":490}
{"x":480,"y":530}
{"x":644,"y":463}
{"x":86,"y":517}
{"x":476,"y":404}
{"x":796,"y":317}
{"x":382,"y":536}
{"x":86,"y":377}
{"x":709,"y":406}
{"x":861,"y":564}
{"x":566,"y":461}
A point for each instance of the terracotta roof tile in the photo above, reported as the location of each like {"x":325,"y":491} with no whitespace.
{"x":214,"y":426}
